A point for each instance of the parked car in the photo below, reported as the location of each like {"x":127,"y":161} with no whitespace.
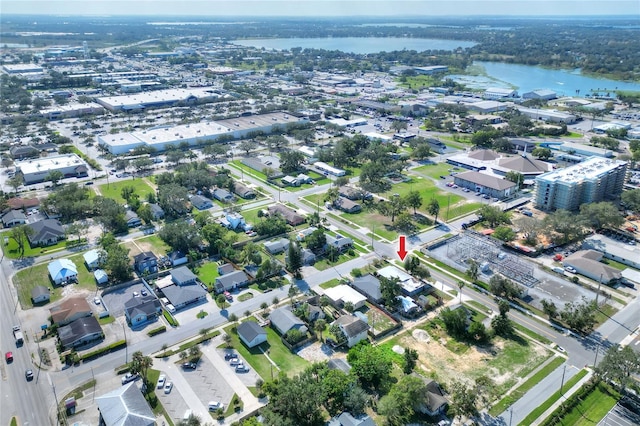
{"x":96,"y":300}
{"x":234,"y":361}
{"x":136,"y":294}
{"x":241,"y":368}
{"x":129,"y":377}
{"x":8,"y":357}
{"x":228,"y":296}
{"x":143,"y":292}
{"x":168,"y":387}
{"x":189,"y":366}
{"x":215,"y":405}
{"x":229,"y":355}
{"x":570,"y":269}
{"x":161,"y":381}
{"x":28,"y":374}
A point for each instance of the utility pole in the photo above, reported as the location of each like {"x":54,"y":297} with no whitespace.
{"x":598,"y":292}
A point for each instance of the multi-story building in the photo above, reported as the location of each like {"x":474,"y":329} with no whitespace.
{"x":593,"y":180}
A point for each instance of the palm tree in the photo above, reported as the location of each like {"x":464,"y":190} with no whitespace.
{"x":461,"y":285}
{"x":140,"y":364}
{"x":227,"y":340}
{"x":434,"y":209}
{"x":319,"y":327}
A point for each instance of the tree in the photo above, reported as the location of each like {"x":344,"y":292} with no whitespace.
{"x":20,"y":234}
{"x":580,"y":316}
{"x":390,"y":290}
{"x":434,"y":208}
{"x":619,"y":365}
{"x":399,"y":404}
{"x":15,"y":182}
{"x":455,"y":321}
{"x":332,"y":195}
{"x":631,"y":199}
{"x":370,"y":364}
{"x":319,"y":327}
{"x":549,"y":308}
{"x":398,"y":125}
{"x":173,"y":199}
{"x":174,"y":156}
{"x":501,"y":324}
{"x":601,"y":215}
{"x":504,"y":287}
{"x":192,"y":420}
{"x":393,"y":207}
{"x":542,"y":153}
{"x":247,"y":145}
{"x":413,"y":200}
{"x":463,"y":400}
{"x":473,"y":271}
{"x":504,"y":233}
{"x":294,"y":259}
{"x":55,"y":176}
{"x":493,"y":215}
{"x":145,"y":214}
{"x":181,"y":237}
{"x":291,"y":161}
{"x":110,"y":215}
{"x":410,"y":359}
{"x":140,"y":365}
{"x":515,"y":177}
{"x":565,"y":223}
{"x":115,"y":260}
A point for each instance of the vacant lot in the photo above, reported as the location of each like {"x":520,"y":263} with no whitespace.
{"x":152,"y":243}
{"x":114,"y":190}
{"x":505,"y":361}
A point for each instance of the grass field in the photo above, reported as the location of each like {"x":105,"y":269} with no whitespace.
{"x":208,"y":272}
{"x":593,"y":408}
{"x":38,"y":275}
{"x":151,"y":243}
{"x":114,"y":189}
{"x":11,"y":248}
{"x":434,"y":170}
{"x":285,"y":360}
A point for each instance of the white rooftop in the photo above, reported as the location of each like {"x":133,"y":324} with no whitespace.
{"x":391,"y":271}
{"x":346,"y":294}
{"x":49,"y":163}
{"x":157,"y":96}
{"x":588,"y":169}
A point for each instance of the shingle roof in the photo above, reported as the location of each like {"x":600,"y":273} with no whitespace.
{"x":352,"y":326}
{"x":39,"y":290}
{"x":483,"y":155}
{"x":147,"y":305}
{"x":284,"y":320}
{"x":144,"y":256}
{"x":183,"y":295}
{"x":125,"y":406}
{"x":46,"y":229}
{"x":369,"y":285}
{"x":68,"y":308}
{"x":485,"y":180}
{"x":236,"y":277}
{"x":249,"y":330}
{"x":182,"y":275}
{"x":12,"y":216}
{"x":77,"y":329}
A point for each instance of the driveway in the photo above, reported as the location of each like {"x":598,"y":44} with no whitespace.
{"x":114,"y":301}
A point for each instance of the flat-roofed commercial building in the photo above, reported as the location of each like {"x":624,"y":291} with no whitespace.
{"x":485,"y":184}
{"x":548,"y":115}
{"x":593,"y":180}
{"x":72,"y":110}
{"x":159,"y":98}
{"x":37,"y":170}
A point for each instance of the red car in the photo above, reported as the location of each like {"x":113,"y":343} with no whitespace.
{"x":8,"y":357}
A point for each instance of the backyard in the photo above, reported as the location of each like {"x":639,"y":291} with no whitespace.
{"x":284,"y":359}
{"x":38,"y":275}
{"x":152,"y":243}
{"x":208,"y":272}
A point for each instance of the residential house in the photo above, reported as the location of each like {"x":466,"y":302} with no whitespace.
{"x":277,"y":246}
{"x":292,"y":218}
{"x":45,"y":233}
{"x":17,"y":203}
{"x":308,"y":257}
{"x":181,"y":296}
{"x":157,"y":212}
{"x":251,"y":334}
{"x":223,"y":195}
{"x":369,"y":286}
{"x":70,"y":310}
{"x":347,"y":206}
{"x":234,"y":221}
{"x":435,"y":402}
{"x":291,"y":181}
{"x":177,"y":258}
{"x":125,"y":406}
{"x":132,"y":219}
{"x":342,"y":294}
{"x":62,"y":271}
{"x":139,"y":310}
{"x":302,"y":178}
{"x":101,"y":277}
{"x":201,"y":203}
{"x":225,"y":269}
{"x":283,"y":320}
{"x":13,"y":218}
{"x":352,"y":193}
{"x":40,"y":294}
{"x":92,"y":259}
{"x":231,"y":281}
{"x":409,"y":286}
{"x":354,"y":329}
{"x":80,"y":332}
{"x":588,"y":263}
{"x":408,"y":307}
{"x":145,"y":263}
{"x":183,"y":276}
{"x":346,"y":419}
{"x":339,"y":242}
{"x":243,"y":191}
{"x":315,"y":313}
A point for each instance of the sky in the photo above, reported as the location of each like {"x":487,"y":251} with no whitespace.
{"x":629,"y":8}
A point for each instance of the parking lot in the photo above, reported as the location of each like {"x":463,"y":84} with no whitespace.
{"x":114,"y":301}
{"x":620,"y":416}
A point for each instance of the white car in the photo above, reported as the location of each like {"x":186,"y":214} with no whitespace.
{"x":168,"y":387}
{"x":96,"y":300}
{"x":570,"y":269}
{"x":136,"y":294}
{"x":215,"y":405}
{"x":129,"y":378}
{"x":161,"y":381}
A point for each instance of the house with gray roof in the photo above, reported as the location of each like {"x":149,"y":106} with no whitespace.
{"x":40,"y":294}
{"x":346,"y":419}
{"x":290,"y":216}
{"x":354,"y":329}
{"x":200,"y":202}
{"x":157,"y":212}
{"x":243,"y":191}
{"x":231,"y":281}
{"x":588,"y":263}
{"x":181,"y":296}
{"x":183,"y":276}
{"x":125,"y":406}
{"x":251,"y":334}
{"x":145,"y":262}
{"x":277,"y":246}
{"x":369,"y":286}
{"x":132,"y":218}
{"x":283,"y":320}
{"x":13,"y":218}
{"x":223,"y":195}
{"x":80,"y":332}
{"x":434,"y":402}
{"x":139,"y":310}
{"x":45,"y":233}
{"x":347,"y":206}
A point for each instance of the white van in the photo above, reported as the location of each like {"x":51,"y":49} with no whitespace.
{"x":186,"y":416}
{"x":170,"y":308}
{"x":558,"y":270}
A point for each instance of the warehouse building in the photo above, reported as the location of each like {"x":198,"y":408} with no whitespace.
{"x":37,"y":170}
{"x":593,"y":180}
{"x":159,"y":98}
{"x":486,"y":184}
{"x":547,"y":115}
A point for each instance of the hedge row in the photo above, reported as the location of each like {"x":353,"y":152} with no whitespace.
{"x":170,"y":319}
{"x":158,"y":330}
{"x":575,"y":399}
{"x":103,"y":351}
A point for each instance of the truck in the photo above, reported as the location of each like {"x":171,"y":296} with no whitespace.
{"x":17,"y":334}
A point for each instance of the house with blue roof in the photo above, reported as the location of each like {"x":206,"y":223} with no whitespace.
{"x":62,"y":271}
{"x":92,"y":259}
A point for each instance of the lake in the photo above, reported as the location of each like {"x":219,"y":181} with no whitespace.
{"x":360,"y":45}
{"x":526,"y":78}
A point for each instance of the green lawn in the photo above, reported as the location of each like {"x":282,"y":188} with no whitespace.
{"x":11,"y":248}
{"x":593,"y":408}
{"x":288,"y":362}
{"x":323,"y":263}
{"x":114,"y":189}
{"x":435,"y":170}
{"x":151,"y":243}
{"x":208,"y":272}
{"x":331,"y":283}
{"x":29,"y":278}
{"x":238,"y":164}
{"x":428,"y":190}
